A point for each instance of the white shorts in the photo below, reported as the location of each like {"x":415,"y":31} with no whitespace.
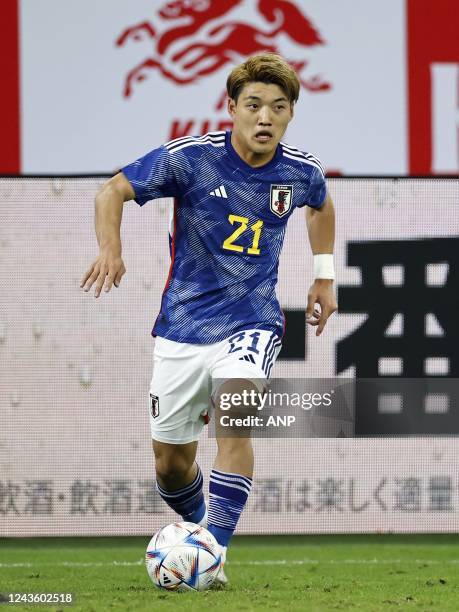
{"x":183,"y":377}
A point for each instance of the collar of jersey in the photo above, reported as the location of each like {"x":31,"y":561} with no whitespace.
{"x":242,"y":165}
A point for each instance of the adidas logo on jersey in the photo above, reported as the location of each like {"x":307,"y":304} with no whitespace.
{"x":247,"y":358}
{"x":220,"y":192}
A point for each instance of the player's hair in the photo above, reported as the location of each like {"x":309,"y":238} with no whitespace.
{"x":264,"y":68}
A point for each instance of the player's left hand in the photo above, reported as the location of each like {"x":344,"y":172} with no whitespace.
{"x":321,"y":292}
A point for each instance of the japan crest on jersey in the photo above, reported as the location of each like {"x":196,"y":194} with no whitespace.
{"x":154,"y":405}
{"x":281,"y":199}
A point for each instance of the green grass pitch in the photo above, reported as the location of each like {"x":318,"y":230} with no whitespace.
{"x":314,"y":573}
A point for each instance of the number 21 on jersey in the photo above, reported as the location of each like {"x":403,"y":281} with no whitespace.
{"x":229,"y":243}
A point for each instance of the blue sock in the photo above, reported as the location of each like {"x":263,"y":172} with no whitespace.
{"x":187,"y":501}
{"x":228,"y":494}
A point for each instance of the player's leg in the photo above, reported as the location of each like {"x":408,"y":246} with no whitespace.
{"x":243,"y":364}
{"x":231,"y":477}
{"x":178,"y":398}
{"x":179,"y":480}
{"x":175,"y":463}
{"x":235,"y":455}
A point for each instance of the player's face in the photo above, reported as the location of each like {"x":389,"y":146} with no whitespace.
{"x":260,"y":117}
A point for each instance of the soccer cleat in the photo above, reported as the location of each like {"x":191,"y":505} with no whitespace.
{"x":203,"y":521}
{"x":220,"y":579}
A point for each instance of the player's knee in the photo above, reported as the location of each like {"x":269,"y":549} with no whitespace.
{"x":172,"y":467}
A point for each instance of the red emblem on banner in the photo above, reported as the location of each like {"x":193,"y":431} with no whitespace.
{"x":192,"y":39}
{"x":433,"y":86}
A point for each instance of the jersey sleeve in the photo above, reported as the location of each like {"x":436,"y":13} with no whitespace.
{"x":317,"y":189}
{"x":155,"y":176}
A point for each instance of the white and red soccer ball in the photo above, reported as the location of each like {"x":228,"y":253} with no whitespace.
{"x":183,"y":557}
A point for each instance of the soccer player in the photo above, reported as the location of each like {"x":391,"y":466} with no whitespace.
{"x":219,"y":318}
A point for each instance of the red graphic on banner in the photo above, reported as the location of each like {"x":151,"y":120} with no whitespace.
{"x":10,"y":151}
{"x":433,"y":88}
{"x":208,"y":34}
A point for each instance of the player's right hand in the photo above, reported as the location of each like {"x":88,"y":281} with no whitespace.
{"x":107,"y":269}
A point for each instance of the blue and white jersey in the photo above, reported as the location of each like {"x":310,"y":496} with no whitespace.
{"x":228,"y":229}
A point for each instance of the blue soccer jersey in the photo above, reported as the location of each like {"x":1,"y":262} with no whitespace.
{"x":228,"y":229}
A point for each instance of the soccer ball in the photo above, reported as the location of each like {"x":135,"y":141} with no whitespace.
{"x":183,"y":557}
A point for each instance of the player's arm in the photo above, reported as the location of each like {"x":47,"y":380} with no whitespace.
{"x":108,"y":268}
{"x":321,"y":231}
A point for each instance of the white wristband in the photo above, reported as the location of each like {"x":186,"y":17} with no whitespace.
{"x":323,"y":266}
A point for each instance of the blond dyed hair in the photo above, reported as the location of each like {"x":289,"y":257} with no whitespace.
{"x":264,"y":68}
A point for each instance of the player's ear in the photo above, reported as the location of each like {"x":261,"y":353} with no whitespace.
{"x":231,"y":107}
{"x":292,"y":110}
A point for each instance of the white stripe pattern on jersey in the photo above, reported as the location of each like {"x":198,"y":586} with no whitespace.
{"x":296,"y":151}
{"x":307,"y":158}
{"x":180,"y":139}
{"x":215,"y":139}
